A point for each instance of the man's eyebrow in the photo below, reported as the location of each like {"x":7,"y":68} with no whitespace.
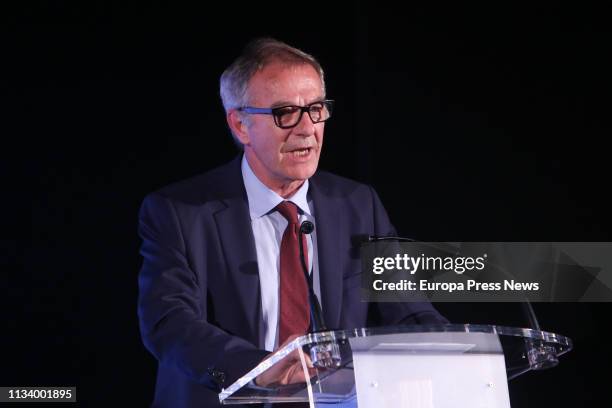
{"x":280,"y":104}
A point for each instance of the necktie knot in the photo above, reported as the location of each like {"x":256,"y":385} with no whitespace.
{"x":289,"y":211}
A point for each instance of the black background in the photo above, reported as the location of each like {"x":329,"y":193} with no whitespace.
{"x":485,"y":122}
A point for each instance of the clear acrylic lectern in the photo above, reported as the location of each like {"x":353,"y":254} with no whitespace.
{"x":402,"y":366}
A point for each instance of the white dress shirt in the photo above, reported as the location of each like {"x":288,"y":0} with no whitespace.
{"x":268,"y":228}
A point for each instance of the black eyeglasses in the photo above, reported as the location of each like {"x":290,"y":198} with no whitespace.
{"x":289,"y":116}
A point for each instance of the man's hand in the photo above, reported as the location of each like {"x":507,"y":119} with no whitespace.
{"x":287,"y":371}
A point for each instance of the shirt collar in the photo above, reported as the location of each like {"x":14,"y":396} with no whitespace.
{"x":262,"y":200}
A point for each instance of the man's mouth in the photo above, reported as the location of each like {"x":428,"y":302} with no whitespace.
{"x":303,"y":152}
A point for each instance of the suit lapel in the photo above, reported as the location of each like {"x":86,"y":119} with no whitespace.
{"x":327,"y":215}
{"x":238,"y":244}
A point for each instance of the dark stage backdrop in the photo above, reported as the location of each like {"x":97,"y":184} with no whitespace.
{"x":473,"y":123}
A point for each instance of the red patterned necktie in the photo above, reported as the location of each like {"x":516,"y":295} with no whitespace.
{"x":294,"y":310}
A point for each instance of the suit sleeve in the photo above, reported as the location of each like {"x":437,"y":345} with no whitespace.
{"x":395,"y":313}
{"x":172,"y":306}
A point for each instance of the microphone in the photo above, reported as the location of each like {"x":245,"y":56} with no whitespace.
{"x":307,"y":227}
{"x":376,"y":238}
{"x":316,"y":316}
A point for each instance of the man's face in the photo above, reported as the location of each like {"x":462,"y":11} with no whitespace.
{"x":282,"y":157}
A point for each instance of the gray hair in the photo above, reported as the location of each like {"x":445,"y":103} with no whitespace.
{"x":256,"y":55}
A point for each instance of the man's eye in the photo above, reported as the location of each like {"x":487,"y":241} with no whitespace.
{"x":286,"y":110}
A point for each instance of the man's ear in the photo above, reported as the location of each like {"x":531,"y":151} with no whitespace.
{"x":238,"y":126}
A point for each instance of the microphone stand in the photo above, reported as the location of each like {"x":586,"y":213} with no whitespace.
{"x":325,"y":352}
{"x":316,"y":316}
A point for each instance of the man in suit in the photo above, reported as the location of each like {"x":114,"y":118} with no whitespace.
{"x":215,"y":279}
